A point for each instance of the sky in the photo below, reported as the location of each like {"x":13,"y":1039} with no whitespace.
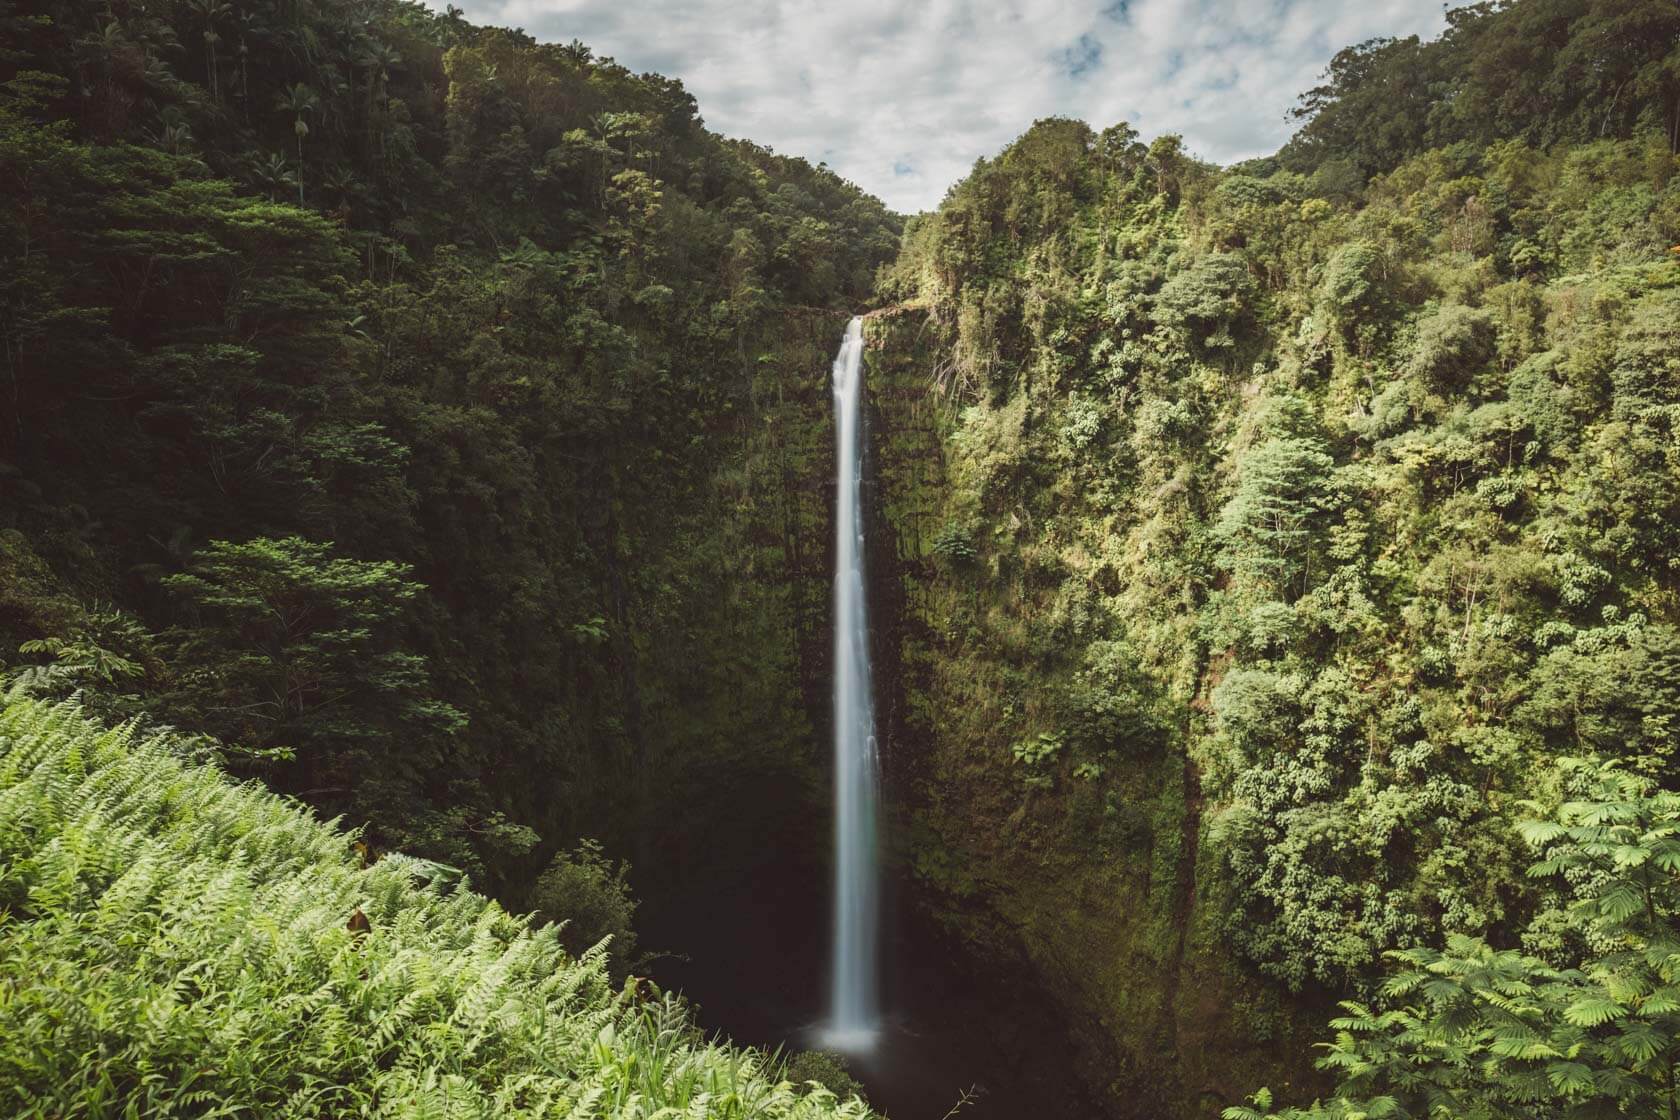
{"x":901,"y":96}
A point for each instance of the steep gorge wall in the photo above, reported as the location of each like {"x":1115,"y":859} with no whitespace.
{"x":1097,"y":889}
{"x":731,"y":631}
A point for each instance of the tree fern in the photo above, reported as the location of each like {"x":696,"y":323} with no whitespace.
{"x":1482,"y":1033}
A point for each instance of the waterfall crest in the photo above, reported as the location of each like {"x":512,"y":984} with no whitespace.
{"x":854,"y":1002}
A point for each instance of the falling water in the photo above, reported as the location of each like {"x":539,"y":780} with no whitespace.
{"x":853,"y":1006}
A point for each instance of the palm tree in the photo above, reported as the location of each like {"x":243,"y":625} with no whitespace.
{"x":102,"y":44}
{"x":174,"y":134}
{"x":455,"y":25}
{"x":100,"y":58}
{"x":378,"y":60}
{"x":210,"y":11}
{"x":99,"y":50}
{"x":250,"y":27}
{"x":271,"y":175}
{"x":156,"y":75}
{"x":383,"y":59}
{"x":298,"y":100}
{"x":153,"y":35}
{"x":341,"y":183}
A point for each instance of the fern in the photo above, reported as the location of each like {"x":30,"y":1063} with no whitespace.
{"x":178,"y":945}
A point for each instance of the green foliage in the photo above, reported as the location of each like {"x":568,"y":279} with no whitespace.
{"x":1208,"y":298}
{"x":291,"y":628}
{"x":1351,"y":288}
{"x":1039,"y":749}
{"x":177,"y":945}
{"x":462,"y":346}
{"x":590,"y":896}
{"x":955,"y":543}
{"x":827,"y":1069}
{"x":1452,"y":345}
{"x":291,"y":650}
{"x":1474,"y":1031}
{"x":1267,"y":530}
{"x":106,"y":652}
{"x":1362,"y":454}
{"x":1544,"y":71}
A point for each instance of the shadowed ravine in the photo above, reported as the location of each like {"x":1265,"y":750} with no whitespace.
{"x":756,"y":949}
{"x":812,"y":938}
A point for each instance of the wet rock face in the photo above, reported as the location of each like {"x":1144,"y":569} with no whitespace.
{"x":905,"y":473}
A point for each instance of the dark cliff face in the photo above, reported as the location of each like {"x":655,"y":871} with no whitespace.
{"x":762,"y":805}
{"x":1100,"y":909}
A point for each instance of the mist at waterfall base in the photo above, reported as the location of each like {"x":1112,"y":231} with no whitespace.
{"x":756,"y":949}
{"x":761,"y":918}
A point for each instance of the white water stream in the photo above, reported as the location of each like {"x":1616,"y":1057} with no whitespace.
{"x":854,"y":1010}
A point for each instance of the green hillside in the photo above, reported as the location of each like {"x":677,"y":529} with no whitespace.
{"x":481,"y":356}
{"x":176,"y":944}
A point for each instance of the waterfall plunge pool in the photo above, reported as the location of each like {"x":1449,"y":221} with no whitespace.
{"x":756,"y":939}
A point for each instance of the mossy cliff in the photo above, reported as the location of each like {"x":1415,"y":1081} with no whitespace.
{"x":1261,"y":545}
{"x":1091,"y":881}
{"x":733,"y":655}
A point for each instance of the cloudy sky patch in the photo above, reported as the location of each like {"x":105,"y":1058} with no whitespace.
{"x":902,"y":97}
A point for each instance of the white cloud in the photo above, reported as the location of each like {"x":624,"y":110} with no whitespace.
{"x":902,"y":97}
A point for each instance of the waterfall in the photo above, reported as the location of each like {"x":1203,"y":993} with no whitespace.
{"x":854,"y":1000}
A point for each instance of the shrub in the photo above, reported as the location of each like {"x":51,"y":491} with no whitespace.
{"x":589,"y":897}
